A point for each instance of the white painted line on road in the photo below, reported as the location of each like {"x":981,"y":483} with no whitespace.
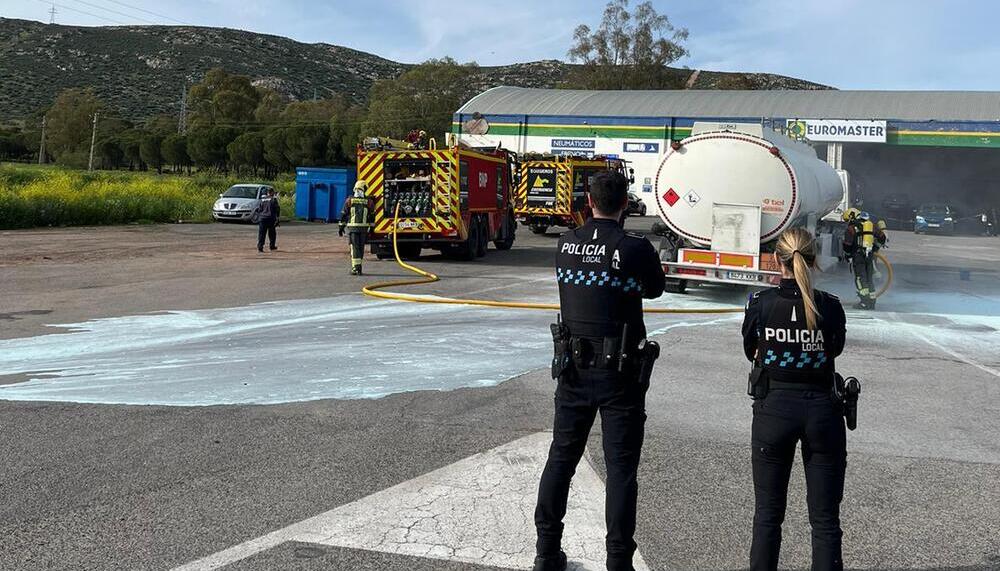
{"x":478,"y":510}
{"x":894,"y":318}
{"x":955,"y":354}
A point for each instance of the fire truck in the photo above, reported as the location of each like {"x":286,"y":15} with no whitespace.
{"x":455,"y":200}
{"x":553,"y":189}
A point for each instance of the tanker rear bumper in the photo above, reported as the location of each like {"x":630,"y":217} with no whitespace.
{"x":694,"y":273}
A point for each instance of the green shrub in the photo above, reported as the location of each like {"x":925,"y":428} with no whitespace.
{"x":33,"y":196}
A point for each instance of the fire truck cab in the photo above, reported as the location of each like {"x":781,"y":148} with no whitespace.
{"x":553,"y":189}
{"x":455,"y":200}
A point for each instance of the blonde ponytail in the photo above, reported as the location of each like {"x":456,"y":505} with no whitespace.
{"x":796,"y":250}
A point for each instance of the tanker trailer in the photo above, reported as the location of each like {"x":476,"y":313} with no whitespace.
{"x":726,"y":192}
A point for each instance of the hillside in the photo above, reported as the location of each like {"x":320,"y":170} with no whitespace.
{"x":141,"y":70}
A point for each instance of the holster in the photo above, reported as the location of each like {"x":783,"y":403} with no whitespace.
{"x":649,"y":352}
{"x":757,"y":382}
{"x":852,"y":388}
{"x":561,"y":358}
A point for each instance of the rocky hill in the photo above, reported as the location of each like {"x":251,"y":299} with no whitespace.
{"x":142,"y":70}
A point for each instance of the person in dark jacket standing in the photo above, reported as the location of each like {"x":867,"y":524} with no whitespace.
{"x":267,"y":214}
{"x":357,"y":216}
{"x":604,"y":273}
{"x":793,"y":334}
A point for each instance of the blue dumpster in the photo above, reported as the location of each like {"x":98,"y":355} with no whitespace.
{"x":320,"y":192}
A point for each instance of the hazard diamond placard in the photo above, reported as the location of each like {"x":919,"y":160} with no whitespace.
{"x":671,"y":197}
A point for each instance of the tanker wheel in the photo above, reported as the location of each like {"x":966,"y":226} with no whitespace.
{"x":538,"y":228}
{"x":483,"y":242}
{"x":675,"y":286}
{"x":507,"y":240}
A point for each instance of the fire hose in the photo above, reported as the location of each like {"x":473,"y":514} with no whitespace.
{"x":425,"y":277}
{"x":888,"y":277}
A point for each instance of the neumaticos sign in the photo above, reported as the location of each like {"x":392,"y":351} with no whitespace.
{"x":573,"y":143}
{"x":836,"y":131}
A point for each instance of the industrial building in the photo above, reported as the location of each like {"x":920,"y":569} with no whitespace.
{"x":907,"y":147}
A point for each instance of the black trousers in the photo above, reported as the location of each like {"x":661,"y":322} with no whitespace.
{"x":779,"y":422}
{"x":357,"y":240}
{"x":621,"y":402}
{"x":266,"y":227}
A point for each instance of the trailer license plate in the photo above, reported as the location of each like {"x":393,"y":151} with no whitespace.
{"x":742,"y":276}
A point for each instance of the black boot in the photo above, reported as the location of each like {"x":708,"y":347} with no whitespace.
{"x":551,"y":563}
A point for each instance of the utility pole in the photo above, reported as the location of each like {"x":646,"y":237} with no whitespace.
{"x":93,"y":140}
{"x":52,"y":14}
{"x":41,"y":151}
{"x":182,"y":120}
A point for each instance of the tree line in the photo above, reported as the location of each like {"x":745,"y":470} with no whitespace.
{"x":232,"y":125}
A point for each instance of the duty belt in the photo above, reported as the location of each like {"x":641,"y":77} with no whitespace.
{"x":786,"y":386}
{"x":595,"y":353}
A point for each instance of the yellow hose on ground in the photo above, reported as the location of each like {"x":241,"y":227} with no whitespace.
{"x":374,"y":290}
{"x":888,"y":278}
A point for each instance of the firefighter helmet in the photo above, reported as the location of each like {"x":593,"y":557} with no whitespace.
{"x":851,"y":214}
{"x":360,"y":188}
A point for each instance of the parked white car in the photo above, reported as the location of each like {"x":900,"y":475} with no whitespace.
{"x":239,"y":202}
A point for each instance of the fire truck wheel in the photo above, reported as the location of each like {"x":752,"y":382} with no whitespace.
{"x":484,"y":238}
{"x":675,"y":286}
{"x":466,"y":250}
{"x":506,"y":239}
{"x":381,"y":252}
{"x":538,"y":228}
{"x":409,"y":251}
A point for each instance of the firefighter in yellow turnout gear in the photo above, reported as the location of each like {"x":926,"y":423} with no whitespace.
{"x":862,"y":240}
{"x":357,"y":216}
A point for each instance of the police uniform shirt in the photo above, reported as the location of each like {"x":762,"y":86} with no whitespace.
{"x":775,"y":333}
{"x":603,"y":273}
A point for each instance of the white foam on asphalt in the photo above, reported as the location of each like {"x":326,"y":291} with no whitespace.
{"x":478,"y":510}
{"x":343,"y":347}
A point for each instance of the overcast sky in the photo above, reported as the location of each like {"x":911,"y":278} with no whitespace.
{"x":849,"y":44}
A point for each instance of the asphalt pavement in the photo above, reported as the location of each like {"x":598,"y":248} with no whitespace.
{"x":198,"y":465}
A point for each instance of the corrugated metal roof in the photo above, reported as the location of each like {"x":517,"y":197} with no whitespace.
{"x":812,"y":104}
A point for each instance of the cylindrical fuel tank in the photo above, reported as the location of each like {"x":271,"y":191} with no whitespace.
{"x":747,"y":167}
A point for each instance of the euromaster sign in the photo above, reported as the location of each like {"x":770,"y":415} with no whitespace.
{"x":836,"y":131}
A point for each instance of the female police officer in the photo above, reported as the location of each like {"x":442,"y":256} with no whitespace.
{"x":793,"y":333}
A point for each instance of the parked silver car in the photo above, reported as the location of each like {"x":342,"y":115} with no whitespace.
{"x":239,"y":202}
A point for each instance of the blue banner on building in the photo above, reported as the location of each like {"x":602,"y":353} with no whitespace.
{"x":573,"y":143}
{"x":637,"y":147}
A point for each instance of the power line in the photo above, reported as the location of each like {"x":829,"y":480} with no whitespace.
{"x":84,"y":12}
{"x":99,"y":7}
{"x":150,"y":12}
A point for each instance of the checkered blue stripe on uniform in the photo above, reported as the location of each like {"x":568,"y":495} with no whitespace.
{"x":801,"y":362}
{"x":595,"y":278}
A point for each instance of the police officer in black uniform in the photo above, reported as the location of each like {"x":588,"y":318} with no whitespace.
{"x":603,"y":273}
{"x":793,"y":334}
